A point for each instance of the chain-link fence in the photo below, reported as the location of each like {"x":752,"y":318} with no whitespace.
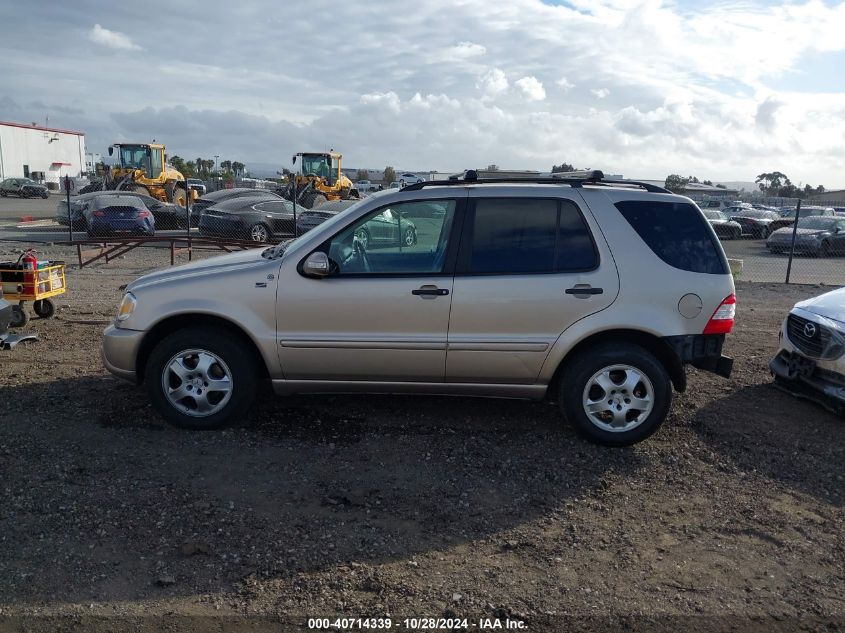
{"x":764,"y":243}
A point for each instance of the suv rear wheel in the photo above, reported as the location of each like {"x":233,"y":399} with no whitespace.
{"x":201,"y":378}
{"x":616,"y":394}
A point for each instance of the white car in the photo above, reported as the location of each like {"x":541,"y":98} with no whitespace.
{"x":811,"y":358}
{"x":408,"y":178}
{"x":367,"y":186}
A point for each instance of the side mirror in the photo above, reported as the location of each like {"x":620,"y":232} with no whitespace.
{"x":111,"y":150}
{"x":316,"y":265}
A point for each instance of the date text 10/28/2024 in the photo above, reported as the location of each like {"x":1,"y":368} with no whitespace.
{"x":417,"y":624}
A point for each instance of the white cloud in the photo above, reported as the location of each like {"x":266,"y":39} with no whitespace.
{"x":467,"y":49}
{"x":112,"y":39}
{"x":725,"y":91}
{"x":531,"y":88}
{"x":564,"y":84}
{"x":492,"y":82}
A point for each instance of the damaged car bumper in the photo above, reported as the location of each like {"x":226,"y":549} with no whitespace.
{"x":811,"y":358}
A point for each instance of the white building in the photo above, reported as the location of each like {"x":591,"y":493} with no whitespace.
{"x":40,"y":153}
{"x":91,"y":161}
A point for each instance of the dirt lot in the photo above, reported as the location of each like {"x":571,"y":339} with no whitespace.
{"x":732,"y":516}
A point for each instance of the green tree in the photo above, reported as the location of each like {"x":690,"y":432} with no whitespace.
{"x":238,"y":168}
{"x":563,"y":167}
{"x":190,"y":169}
{"x":675,"y":183}
{"x":771,"y":182}
{"x":363,"y":174}
{"x":226,"y":166}
{"x":389,"y":175}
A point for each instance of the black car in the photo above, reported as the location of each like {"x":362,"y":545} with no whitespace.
{"x":816,"y":235}
{"x":257,"y":218}
{"x":222,"y":195}
{"x":23,"y":188}
{"x":166,"y":215}
{"x":387,"y":229}
{"x":754,"y":222}
{"x":787,"y":218}
{"x":723,"y":225}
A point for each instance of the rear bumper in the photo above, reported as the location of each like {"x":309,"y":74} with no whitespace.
{"x":703,"y":351}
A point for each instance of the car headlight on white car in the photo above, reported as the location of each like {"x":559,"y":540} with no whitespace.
{"x":126,"y":307}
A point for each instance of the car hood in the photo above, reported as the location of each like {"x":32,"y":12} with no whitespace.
{"x":212,"y":265}
{"x":787,"y":232}
{"x":752,"y":219}
{"x":830,"y":305}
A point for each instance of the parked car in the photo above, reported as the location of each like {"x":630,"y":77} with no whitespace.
{"x":408,"y":178}
{"x":257,"y":218}
{"x":366,"y":186}
{"x":197,"y":185}
{"x":723,"y":225}
{"x":115,"y":213}
{"x":788,"y":218}
{"x":815,"y":235}
{"x":165,"y":214}
{"x":719,"y":205}
{"x":810,"y":359}
{"x":214,"y":197}
{"x":754,"y":222}
{"x":23,"y":188}
{"x":589,"y":293}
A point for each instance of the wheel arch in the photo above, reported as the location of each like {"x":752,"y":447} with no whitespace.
{"x":651,"y":343}
{"x":167,"y":326}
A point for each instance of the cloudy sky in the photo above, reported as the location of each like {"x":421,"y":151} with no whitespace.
{"x":720,"y":90}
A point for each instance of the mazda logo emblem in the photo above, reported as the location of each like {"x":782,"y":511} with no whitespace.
{"x":810,"y":330}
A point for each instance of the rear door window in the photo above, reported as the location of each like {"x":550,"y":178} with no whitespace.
{"x":523,"y":235}
{"x":677,"y":233}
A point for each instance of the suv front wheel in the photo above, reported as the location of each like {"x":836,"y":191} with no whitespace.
{"x":616,"y":394}
{"x":201,"y":378}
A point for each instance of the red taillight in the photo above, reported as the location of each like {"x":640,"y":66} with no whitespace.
{"x":144,"y":214}
{"x":99,"y":214}
{"x":722,"y":321}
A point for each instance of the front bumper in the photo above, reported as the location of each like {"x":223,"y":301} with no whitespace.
{"x":5,"y":315}
{"x":119,"y":351}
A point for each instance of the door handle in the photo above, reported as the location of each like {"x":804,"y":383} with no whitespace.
{"x":584,"y":290}
{"x":430,"y":291}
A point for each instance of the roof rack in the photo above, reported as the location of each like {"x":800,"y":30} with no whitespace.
{"x":571,"y":178}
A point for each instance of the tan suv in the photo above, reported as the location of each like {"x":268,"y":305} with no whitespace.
{"x":592,"y":292}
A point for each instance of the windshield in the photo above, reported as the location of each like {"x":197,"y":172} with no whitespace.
{"x":316,"y":164}
{"x":136,"y":157}
{"x":280,"y":249}
{"x":817,"y":222}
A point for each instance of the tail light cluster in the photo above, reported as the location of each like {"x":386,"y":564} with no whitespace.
{"x":722,"y":321}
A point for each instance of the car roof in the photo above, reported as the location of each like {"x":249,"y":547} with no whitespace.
{"x":223,"y":194}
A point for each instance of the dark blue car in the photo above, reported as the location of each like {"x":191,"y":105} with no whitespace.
{"x":114,"y":214}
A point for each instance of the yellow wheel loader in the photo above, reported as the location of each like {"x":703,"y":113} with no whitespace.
{"x":143,"y":168}
{"x":318,"y":180}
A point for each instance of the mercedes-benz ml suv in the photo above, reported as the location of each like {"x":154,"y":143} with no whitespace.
{"x":592,"y":292}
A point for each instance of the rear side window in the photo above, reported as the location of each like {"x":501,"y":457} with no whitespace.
{"x":677,"y":234}
{"x":520,"y":235}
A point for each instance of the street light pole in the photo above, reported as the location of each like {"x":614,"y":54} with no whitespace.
{"x":216,"y":171}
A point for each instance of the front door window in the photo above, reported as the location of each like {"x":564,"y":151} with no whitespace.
{"x":405,"y":238}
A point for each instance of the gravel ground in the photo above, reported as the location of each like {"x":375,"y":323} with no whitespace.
{"x":731,"y":516}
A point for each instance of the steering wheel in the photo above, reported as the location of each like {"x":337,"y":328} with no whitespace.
{"x":361,"y":253}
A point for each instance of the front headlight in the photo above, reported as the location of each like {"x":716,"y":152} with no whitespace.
{"x":126,"y":307}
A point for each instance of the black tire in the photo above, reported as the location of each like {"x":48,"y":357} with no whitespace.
{"x":764,"y":232}
{"x":44,"y":308}
{"x":45,"y":195}
{"x":3,"y":194}
{"x":241,"y":364}
{"x":824,"y":249}
{"x":259,"y":233}
{"x":579,"y":371}
{"x":363,"y":237}
{"x":19,"y":316}
{"x":409,"y":236}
